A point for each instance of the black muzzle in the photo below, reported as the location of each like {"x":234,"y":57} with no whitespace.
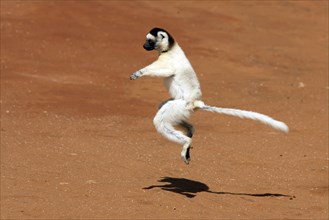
{"x":149,"y":45}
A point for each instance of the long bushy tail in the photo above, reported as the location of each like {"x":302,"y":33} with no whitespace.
{"x":245,"y":114}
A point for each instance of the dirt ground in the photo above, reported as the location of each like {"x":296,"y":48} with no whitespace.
{"x":77,"y":138}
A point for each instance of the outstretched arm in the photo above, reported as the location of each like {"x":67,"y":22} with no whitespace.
{"x":154,"y":69}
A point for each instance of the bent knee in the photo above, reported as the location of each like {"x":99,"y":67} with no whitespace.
{"x":165,"y":102}
{"x":156,"y":121}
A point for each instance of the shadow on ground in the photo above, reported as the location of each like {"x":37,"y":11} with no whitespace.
{"x":190,"y":188}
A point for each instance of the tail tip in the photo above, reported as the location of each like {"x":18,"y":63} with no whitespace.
{"x":283,"y":127}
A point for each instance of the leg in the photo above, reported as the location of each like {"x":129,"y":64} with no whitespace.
{"x":189,"y":128}
{"x":172,"y":113}
{"x":163,"y":103}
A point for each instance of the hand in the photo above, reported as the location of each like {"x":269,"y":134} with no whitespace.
{"x":135,"y":75}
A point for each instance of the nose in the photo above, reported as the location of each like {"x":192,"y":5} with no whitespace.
{"x":147,"y":46}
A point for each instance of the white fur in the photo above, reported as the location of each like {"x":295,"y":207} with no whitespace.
{"x":180,"y":78}
{"x":183,"y":86}
{"x":245,"y":114}
{"x":150,"y":36}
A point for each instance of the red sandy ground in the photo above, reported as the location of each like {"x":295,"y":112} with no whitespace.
{"x":77,"y":139}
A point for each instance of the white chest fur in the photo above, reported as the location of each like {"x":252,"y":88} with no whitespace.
{"x":183,"y":84}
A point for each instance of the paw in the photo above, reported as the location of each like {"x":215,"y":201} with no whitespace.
{"x":136,"y":75}
{"x":133,"y":77}
{"x":185,"y":155}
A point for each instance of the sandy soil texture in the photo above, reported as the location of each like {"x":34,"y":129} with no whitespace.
{"x":77,"y":138}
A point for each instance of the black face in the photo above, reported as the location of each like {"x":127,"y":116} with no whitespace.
{"x":149,"y":45}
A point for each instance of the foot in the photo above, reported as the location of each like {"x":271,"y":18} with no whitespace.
{"x":185,"y":154}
